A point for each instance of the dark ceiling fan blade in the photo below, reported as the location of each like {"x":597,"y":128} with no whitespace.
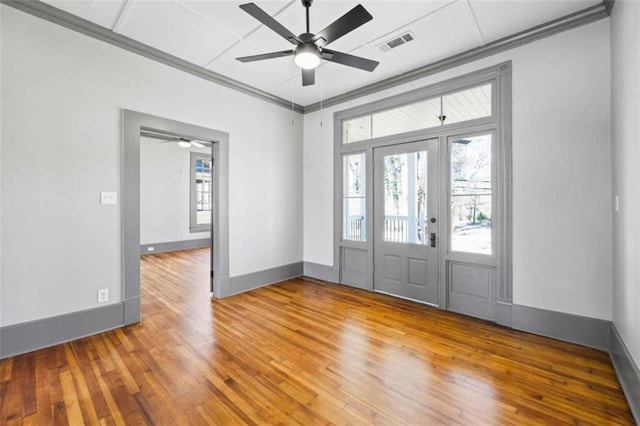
{"x":343,"y":25}
{"x":268,"y":21}
{"x":265,"y":56}
{"x":349,"y":60}
{"x":308,"y":77}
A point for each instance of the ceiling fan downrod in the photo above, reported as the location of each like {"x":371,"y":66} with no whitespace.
{"x":307,"y":4}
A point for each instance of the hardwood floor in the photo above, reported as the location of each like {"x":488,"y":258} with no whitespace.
{"x":307,"y":352}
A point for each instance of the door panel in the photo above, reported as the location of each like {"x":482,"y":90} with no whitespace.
{"x":405,"y":218}
{"x":470,"y":289}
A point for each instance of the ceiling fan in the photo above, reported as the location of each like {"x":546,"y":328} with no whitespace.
{"x":310,"y":48}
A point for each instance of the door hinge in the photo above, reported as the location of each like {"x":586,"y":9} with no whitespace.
{"x":211,"y":273}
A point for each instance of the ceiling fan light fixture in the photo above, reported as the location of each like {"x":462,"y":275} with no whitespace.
{"x":307,"y":56}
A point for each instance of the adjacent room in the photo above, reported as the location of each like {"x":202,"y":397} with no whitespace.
{"x":319,"y":212}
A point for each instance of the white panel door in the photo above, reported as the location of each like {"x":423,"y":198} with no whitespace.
{"x":405,"y":220}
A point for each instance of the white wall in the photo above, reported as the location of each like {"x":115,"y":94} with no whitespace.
{"x":62,"y":94}
{"x":561,"y":171}
{"x":165,"y":192}
{"x":625,"y":39}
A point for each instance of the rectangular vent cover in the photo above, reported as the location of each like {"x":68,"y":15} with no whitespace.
{"x":397,"y":41}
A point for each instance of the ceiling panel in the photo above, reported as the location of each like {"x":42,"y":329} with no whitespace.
{"x":390,"y":16}
{"x":174,"y":29}
{"x":101,"y":12}
{"x":260,"y":74}
{"x":229,"y":15}
{"x":446,"y":32}
{"x":499,"y":19}
{"x":213,"y":33}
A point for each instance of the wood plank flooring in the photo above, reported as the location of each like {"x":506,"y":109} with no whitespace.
{"x":304,"y":352}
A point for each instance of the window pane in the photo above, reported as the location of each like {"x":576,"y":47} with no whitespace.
{"x":356,"y":129}
{"x":407,"y":118}
{"x":354,"y":200}
{"x":467,"y":104}
{"x":405,"y":198}
{"x":471,"y":201}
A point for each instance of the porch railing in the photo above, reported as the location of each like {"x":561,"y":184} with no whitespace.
{"x":396,"y":229}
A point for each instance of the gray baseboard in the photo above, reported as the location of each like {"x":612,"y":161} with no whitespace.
{"x":33,"y":335}
{"x":627,"y":371}
{"x":174,"y":246}
{"x":585,"y":331}
{"x":243,"y":283}
{"x":321,"y":272}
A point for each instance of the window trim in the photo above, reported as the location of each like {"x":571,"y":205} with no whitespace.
{"x":194,"y":227}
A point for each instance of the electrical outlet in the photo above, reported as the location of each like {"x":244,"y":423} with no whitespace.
{"x":108,"y":198}
{"x":151,"y":248}
{"x":103,"y":295}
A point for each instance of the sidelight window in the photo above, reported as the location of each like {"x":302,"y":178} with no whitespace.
{"x":471,"y":194}
{"x":354,"y":199}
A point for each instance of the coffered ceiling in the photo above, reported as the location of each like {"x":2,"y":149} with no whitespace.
{"x":211,"y":34}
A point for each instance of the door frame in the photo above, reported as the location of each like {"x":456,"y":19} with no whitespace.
{"x":132,"y":124}
{"x":499,"y":122}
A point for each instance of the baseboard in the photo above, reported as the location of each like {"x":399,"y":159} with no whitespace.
{"x":33,"y":335}
{"x":592,"y":332}
{"x":243,"y":283}
{"x":321,"y":272}
{"x":174,"y":246}
{"x":627,"y":371}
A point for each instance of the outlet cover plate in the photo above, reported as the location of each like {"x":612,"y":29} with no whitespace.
{"x":103,"y":295}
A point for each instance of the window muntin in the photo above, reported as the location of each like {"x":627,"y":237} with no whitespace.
{"x":354,"y":201}
{"x":464,"y":105}
{"x":471,"y":194}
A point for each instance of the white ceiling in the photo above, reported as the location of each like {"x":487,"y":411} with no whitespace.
{"x":212,"y":33}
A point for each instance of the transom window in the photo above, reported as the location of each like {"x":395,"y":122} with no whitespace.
{"x":463,"y":105}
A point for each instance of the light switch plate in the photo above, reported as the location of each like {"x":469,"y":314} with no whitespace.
{"x":108,"y":198}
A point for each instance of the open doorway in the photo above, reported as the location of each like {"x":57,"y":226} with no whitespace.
{"x":204,"y":169}
{"x":176,"y":196}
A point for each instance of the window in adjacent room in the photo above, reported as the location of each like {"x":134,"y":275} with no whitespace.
{"x":201,"y":192}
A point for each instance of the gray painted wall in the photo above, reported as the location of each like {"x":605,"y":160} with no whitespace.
{"x":165,"y":192}
{"x":625,"y":66}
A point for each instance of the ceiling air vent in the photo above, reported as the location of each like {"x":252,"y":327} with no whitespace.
{"x":397,"y":41}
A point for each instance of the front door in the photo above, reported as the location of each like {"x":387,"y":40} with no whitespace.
{"x":406,"y":220}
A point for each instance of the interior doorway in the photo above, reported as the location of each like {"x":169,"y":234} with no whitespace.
{"x":176,"y":193}
{"x":136,"y":124}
